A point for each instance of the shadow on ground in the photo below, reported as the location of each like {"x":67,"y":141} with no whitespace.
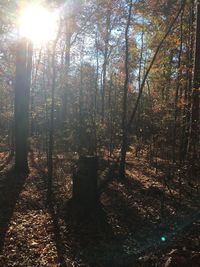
{"x":128,"y":221}
{"x":11,"y":185}
{"x":50,"y":203}
{"x":90,"y":239}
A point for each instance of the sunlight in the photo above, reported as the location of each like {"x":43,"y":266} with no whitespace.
{"x":38,"y":24}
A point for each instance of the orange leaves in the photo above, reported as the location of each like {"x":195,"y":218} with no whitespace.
{"x":181,"y":103}
{"x":130,"y":88}
{"x":157,"y":108}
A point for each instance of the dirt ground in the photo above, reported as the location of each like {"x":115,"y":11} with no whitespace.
{"x":144,"y":220}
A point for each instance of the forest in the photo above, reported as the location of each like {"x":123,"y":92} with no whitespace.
{"x":100,"y":133}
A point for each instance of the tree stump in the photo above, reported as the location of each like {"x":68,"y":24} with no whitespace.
{"x":85,"y":194}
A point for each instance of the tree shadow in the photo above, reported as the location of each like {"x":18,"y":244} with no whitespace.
{"x":96,"y":239}
{"x":57,"y":234}
{"x":127,"y":215}
{"x":158,"y":209}
{"x":125,"y":206}
{"x":11,"y":185}
{"x":99,"y":238}
{"x":89,"y":236}
{"x":50,"y":203}
{"x":168,"y":183}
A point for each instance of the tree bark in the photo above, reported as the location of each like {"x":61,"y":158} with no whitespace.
{"x":194,"y":128}
{"x":124,"y":115}
{"x":188,"y":90}
{"x":105,"y":62}
{"x":22,"y":93}
{"x":85,"y":183}
{"x":176,"y":108}
{"x":51,"y":127}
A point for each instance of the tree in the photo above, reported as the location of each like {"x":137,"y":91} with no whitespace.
{"x":142,"y":85}
{"x":126,"y":81}
{"x":194,"y":127}
{"x":22,"y":92}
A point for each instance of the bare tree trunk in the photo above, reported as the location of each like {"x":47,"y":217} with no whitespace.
{"x":194,"y":127}
{"x":51,"y":126}
{"x":186,"y":114}
{"x":66,"y":73}
{"x":96,"y":89}
{"x":176,"y":109}
{"x":124,"y":115}
{"x":22,"y":94}
{"x":97,"y":71}
{"x":32,"y":94}
{"x":105,"y":62}
{"x":81,"y":128}
{"x":141,"y":57}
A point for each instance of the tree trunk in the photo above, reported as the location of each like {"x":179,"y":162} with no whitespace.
{"x":85,"y":183}
{"x":194,"y":128}
{"x":51,"y":126}
{"x":186,"y":114}
{"x":22,"y":93}
{"x":105,"y":62}
{"x":124,"y":115}
{"x":176,"y":108}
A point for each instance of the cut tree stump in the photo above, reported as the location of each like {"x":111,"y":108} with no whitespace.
{"x":85,"y":182}
{"x":85,"y":197}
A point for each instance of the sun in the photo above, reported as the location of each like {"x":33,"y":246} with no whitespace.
{"x":38,"y":24}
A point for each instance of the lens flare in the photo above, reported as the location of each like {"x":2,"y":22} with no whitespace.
{"x":38,"y":24}
{"x":163,"y":238}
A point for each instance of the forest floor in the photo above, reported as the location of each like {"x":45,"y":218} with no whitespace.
{"x":145,"y":220}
